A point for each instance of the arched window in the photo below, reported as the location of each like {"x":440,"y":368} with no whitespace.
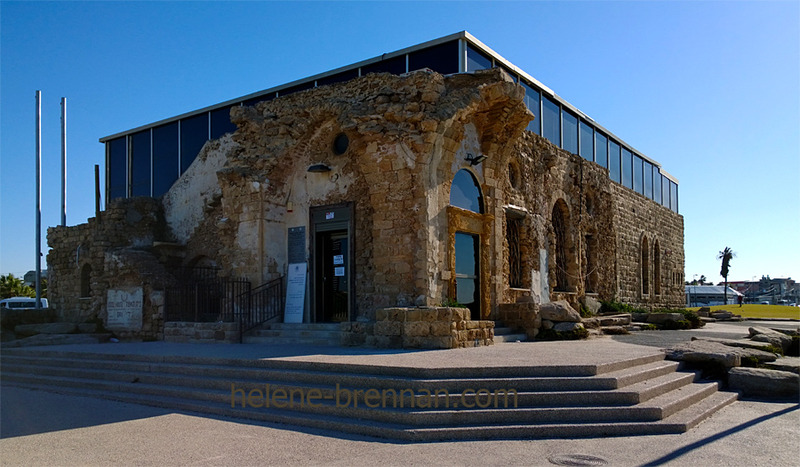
{"x":645,"y":272}
{"x":465,"y":193}
{"x":560,"y":247}
{"x":86,"y":281}
{"x":657,"y":268}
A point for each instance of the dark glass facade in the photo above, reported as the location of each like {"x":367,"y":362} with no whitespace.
{"x":148,"y":162}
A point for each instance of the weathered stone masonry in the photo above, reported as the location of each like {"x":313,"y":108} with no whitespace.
{"x":576,"y":233}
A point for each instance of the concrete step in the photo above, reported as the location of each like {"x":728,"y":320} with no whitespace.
{"x":502,"y":338}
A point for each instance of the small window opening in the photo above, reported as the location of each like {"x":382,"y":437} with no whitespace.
{"x":86,"y":281}
{"x":513,"y":230}
{"x":340,"y":144}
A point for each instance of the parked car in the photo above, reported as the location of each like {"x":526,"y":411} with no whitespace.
{"x":22,"y":303}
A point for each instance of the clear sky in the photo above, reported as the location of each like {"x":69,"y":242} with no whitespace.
{"x":708,"y":89}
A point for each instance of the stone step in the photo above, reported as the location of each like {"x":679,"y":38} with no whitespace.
{"x":287,"y":340}
{"x":510,"y":338}
{"x":294,"y":334}
{"x":303,"y":326}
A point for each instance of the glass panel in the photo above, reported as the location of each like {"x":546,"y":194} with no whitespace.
{"x":467,"y":290}
{"x":570,"y":123}
{"x":477,"y":60}
{"x":396,"y":65}
{"x":508,"y":70}
{"x":587,"y":141}
{"x":551,"y":121}
{"x":601,"y":149}
{"x":627,"y":169}
{"x":648,"y":180}
{"x":165,"y":157}
{"x":296,"y":88}
{"x":673,"y":196}
{"x":656,"y":185}
{"x":532,"y":102}
{"x":665,"y":191}
{"x":194,"y":134}
{"x":442,"y":58}
{"x":613,"y":160}
{"x":256,"y":100}
{"x":140,"y":163}
{"x":221,"y":122}
{"x":117,"y":168}
{"x":638,"y":169}
{"x":465,"y":192}
{"x":338,"y":77}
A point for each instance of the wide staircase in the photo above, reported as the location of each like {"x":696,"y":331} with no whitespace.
{"x":639,"y":396}
{"x":295,"y":334}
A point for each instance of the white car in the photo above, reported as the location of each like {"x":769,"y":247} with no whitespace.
{"x":21,"y":303}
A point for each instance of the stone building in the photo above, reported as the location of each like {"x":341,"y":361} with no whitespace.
{"x":437,"y":174}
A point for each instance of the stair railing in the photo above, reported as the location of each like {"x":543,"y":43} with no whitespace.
{"x":259,"y":305}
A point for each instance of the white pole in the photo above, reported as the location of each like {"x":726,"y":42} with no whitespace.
{"x":38,"y":200}
{"x":63,"y":161}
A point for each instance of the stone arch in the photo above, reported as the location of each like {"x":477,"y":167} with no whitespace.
{"x":563,"y":263}
{"x":644,"y":265}
{"x":86,"y":281}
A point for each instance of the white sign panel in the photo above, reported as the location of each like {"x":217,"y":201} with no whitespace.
{"x":338,"y":259}
{"x":338,"y":272}
{"x":295,"y":293}
{"x":124,"y":307}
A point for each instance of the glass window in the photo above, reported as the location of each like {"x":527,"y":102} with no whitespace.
{"x":221,"y":122}
{"x":395,"y":65}
{"x":442,"y":58}
{"x":601,"y":149}
{"x":467,"y":285}
{"x":570,"y":123}
{"x":255,"y":100}
{"x":673,"y":196}
{"x":465,"y":192}
{"x":194,"y":134}
{"x":165,"y":157}
{"x":551,"y":121}
{"x":627,"y":169}
{"x":117,"y":168}
{"x":656,"y":185}
{"x":532,"y":102}
{"x":648,"y":180}
{"x":513,"y":233}
{"x":613,"y":160}
{"x":638,"y":170}
{"x":508,"y":70}
{"x":338,"y":77}
{"x":296,"y":88}
{"x":587,"y":141}
{"x":665,"y":191}
{"x":477,"y":60}
{"x":140,"y":163}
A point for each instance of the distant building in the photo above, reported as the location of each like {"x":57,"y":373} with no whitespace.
{"x":710,"y":295}
{"x":30,"y":277}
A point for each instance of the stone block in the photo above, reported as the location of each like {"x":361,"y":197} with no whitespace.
{"x":567,"y":327}
{"x":440,"y":328}
{"x":388,"y":328}
{"x":24,"y":330}
{"x":547,"y":324}
{"x":761,"y":334}
{"x":559,"y":311}
{"x":417,"y":329}
{"x":762,"y":382}
{"x":661,"y":318}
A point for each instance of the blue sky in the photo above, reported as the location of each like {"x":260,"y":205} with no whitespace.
{"x":708,"y":89}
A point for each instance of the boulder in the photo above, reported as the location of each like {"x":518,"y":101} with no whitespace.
{"x":591,"y":323}
{"x":661,"y":318}
{"x":559,"y":311}
{"x":547,"y":324}
{"x":592,"y":304}
{"x":791,"y":364}
{"x":567,"y":327}
{"x":746,"y":343}
{"x":705,"y":352}
{"x":778,"y":339}
{"x":616,"y":320}
{"x":614,"y":330}
{"x":24,"y":330}
{"x":764,"y":382}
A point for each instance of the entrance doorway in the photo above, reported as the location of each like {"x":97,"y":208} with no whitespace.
{"x":332,"y":263}
{"x":468,"y":288}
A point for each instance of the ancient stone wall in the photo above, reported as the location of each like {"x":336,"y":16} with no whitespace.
{"x":110,"y":252}
{"x":636,"y":218}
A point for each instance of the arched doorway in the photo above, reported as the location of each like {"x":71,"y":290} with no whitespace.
{"x":465,"y":194}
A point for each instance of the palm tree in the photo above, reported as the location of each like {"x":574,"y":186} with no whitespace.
{"x":725,"y":255}
{"x":11,"y":286}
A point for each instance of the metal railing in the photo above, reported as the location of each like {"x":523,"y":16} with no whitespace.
{"x":201,"y":296}
{"x":259,"y":305}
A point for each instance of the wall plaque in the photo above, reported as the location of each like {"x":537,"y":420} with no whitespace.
{"x":295,"y":293}
{"x":297,"y":245}
{"x":124,"y":307}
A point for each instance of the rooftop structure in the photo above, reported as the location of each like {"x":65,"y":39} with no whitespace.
{"x":147,"y":160}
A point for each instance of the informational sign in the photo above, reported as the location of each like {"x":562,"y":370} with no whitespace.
{"x":338,"y":259}
{"x":329,"y":215}
{"x":124,"y":307}
{"x":295,"y":293}
{"x":338,"y":272}
{"x":297,"y":245}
